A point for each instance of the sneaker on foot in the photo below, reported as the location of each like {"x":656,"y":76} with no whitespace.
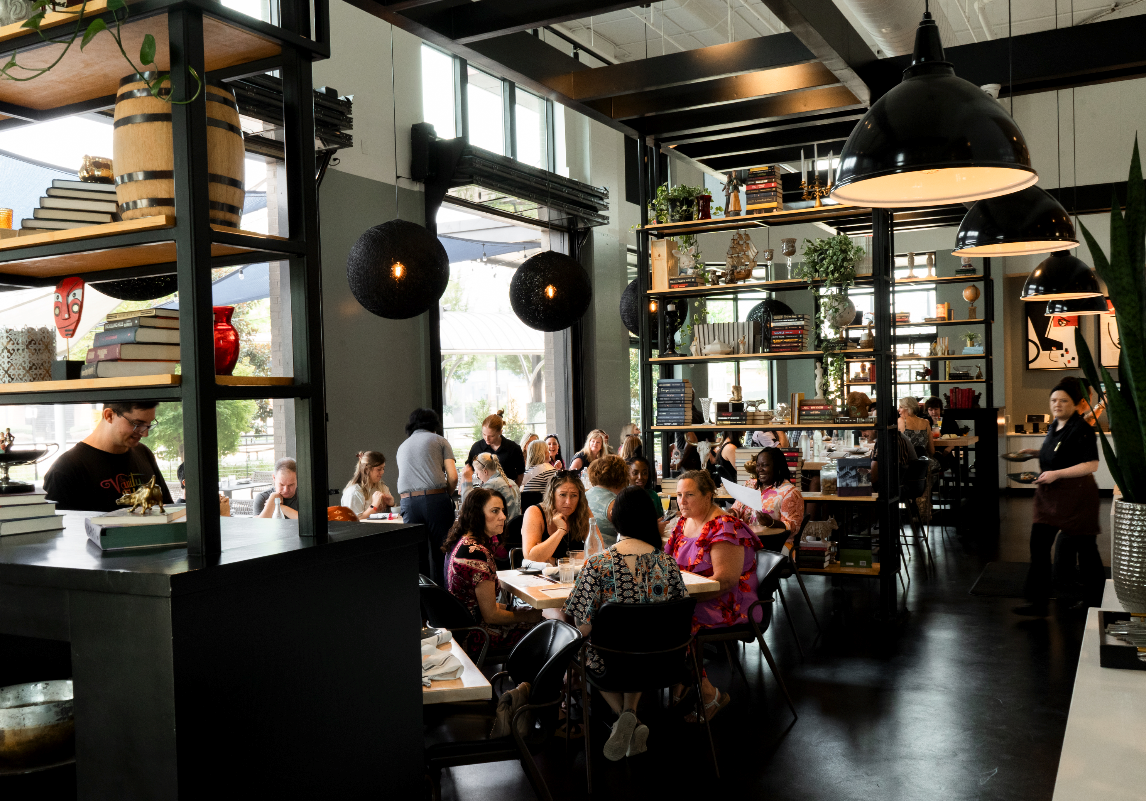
{"x":617,"y":746}
{"x":637,"y":745}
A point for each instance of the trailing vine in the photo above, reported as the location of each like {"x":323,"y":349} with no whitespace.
{"x":93,"y":29}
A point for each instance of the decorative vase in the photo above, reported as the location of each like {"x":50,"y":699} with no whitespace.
{"x":846,"y":314}
{"x":704,"y":207}
{"x":1128,"y":565}
{"x":226,"y":341}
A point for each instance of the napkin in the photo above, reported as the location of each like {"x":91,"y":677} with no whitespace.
{"x":440,"y":665}
{"x":436,"y":637}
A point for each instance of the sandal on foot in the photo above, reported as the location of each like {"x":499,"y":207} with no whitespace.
{"x":711,"y":708}
{"x":676,"y":699}
{"x":637,"y":745}
{"x":617,"y":746}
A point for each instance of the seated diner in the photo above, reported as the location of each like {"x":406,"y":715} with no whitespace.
{"x":560,"y":523}
{"x":366,"y":483}
{"x":608,"y":476}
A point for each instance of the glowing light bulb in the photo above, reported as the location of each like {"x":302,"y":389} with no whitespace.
{"x":652,"y":306}
{"x":398,"y":270}
{"x":550,"y":291}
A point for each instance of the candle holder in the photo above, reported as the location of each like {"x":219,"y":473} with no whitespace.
{"x":814,"y":190}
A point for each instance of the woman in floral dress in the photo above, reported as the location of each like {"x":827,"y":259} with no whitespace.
{"x":711,"y":542}
{"x":783,"y":503}
{"x":471,"y":574}
{"x":632,"y":571}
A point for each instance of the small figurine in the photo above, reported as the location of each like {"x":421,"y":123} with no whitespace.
{"x":717,"y":349}
{"x":685,"y":260}
{"x":741,"y":346}
{"x":694,"y":347}
{"x":867,"y":338}
{"x":781,"y":412}
{"x":731,"y":188}
{"x":6,"y":440}
{"x":820,"y":380}
{"x":68,"y":306}
{"x":979,"y":372}
{"x":735,"y":394}
{"x":97,"y":170}
{"x":145,"y":496}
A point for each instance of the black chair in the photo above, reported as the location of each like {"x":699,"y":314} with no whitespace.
{"x":913,"y":486}
{"x":511,"y":539}
{"x":443,"y":611}
{"x":530,"y":499}
{"x":769,"y":567}
{"x":643,"y":647}
{"x":461,"y":735}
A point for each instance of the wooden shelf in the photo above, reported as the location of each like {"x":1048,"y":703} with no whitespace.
{"x":777,"y":426}
{"x":95,"y":71}
{"x":970,"y":356}
{"x":976,"y":321}
{"x":112,"y":246}
{"x":946,"y":279}
{"x":765,"y":220}
{"x":946,"y":381}
{"x":165,"y":380}
{"x":738,"y":357}
{"x":783,"y":285}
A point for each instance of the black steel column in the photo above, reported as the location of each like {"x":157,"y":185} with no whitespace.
{"x":644,"y":334}
{"x":193,"y":249}
{"x":577,"y":349}
{"x":305,"y":294}
{"x":988,"y":316}
{"x":883,"y":272}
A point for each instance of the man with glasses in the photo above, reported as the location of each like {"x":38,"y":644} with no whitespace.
{"x":112,"y":460}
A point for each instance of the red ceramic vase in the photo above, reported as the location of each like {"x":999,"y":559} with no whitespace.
{"x":704,"y":207}
{"x":226,"y":341}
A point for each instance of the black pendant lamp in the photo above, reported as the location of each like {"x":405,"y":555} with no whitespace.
{"x":152,"y":287}
{"x":397,"y":270}
{"x":934,"y":138}
{"x":550,"y":291}
{"x":1061,"y":276}
{"x":1069,"y":308}
{"x":673,"y":321}
{"x":1018,"y":224}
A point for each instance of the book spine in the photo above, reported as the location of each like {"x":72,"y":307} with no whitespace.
{"x":109,"y":353}
{"x":116,"y":336}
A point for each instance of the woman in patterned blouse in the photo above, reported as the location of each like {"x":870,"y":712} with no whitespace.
{"x":633,"y":571}
{"x":711,"y":542}
{"x":783,"y":503}
{"x":471,"y":574}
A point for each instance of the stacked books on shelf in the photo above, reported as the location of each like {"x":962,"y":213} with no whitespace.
{"x":815,"y":554}
{"x":762,"y":190}
{"x":816,"y":410}
{"x":902,"y":317}
{"x":28,"y":513}
{"x":731,"y":413}
{"x":674,"y":402}
{"x":124,"y":529}
{"x":144,"y":342}
{"x":961,"y":398}
{"x":789,"y":333}
{"x":792,"y":457}
{"x":72,"y":204}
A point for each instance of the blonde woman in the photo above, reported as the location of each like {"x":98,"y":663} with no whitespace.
{"x":914,"y":427}
{"x":560,"y":523}
{"x":492,"y":477}
{"x":538,"y":470}
{"x":367,"y":483}
{"x":596,"y":446}
{"x":527,"y":440}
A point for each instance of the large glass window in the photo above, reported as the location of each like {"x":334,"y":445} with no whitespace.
{"x":438,"y":92}
{"x":486,"y":115}
{"x":531,"y":129}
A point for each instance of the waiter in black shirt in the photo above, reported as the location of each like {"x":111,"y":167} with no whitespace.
{"x":1066,"y":500}
{"x":110,"y":461}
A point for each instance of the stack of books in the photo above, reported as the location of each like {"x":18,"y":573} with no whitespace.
{"x":816,"y":410}
{"x":124,"y":529}
{"x":792,"y":457}
{"x":762,"y":190}
{"x":144,"y":342}
{"x":966,"y":267}
{"x":855,"y":551}
{"x":28,"y":513}
{"x":788,"y":333}
{"x":815,"y":554}
{"x":902,"y":317}
{"x":962,"y":398}
{"x":674,"y":402}
{"x":72,"y":204}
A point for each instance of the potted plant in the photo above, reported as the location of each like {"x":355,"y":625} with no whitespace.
{"x":1125,"y":401}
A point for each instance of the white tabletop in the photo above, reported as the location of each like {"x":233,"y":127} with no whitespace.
{"x":541,"y":593}
{"x":472,"y":686}
{"x":1104,"y":749}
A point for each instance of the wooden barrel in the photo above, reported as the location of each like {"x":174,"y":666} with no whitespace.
{"x":144,"y":159}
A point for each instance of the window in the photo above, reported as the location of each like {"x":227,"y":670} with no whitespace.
{"x":486,"y":115}
{"x":531,"y":130}
{"x":438,"y":92}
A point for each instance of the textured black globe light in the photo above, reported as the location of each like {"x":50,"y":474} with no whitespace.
{"x":397,"y":270}
{"x":934,"y":138}
{"x":152,"y":287}
{"x":550,"y":291}
{"x":1069,"y":308}
{"x":1023,"y":222}
{"x":1061,"y":276}
{"x":632,"y":322}
{"x":765,"y":310}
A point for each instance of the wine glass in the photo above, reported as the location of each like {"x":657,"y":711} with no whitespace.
{"x":788,"y":248}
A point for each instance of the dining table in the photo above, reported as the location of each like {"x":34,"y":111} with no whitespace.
{"x":545,"y":593}
{"x":472,"y":686}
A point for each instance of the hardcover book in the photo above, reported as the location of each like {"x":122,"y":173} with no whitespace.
{"x":133,"y":352}
{"x":142,"y":322}
{"x":126,"y":369}
{"x":134,"y":333}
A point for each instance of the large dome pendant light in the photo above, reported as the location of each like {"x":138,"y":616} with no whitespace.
{"x":935,"y":138}
{"x":1019,"y":224}
{"x":550,"y":291}
{"x":1069,"y":308}
{"x":1061,"y":276}
{"x":397,"y":270}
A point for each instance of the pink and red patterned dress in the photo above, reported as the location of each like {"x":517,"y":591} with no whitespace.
{"x":468,"y":565}
{"x":695,"y":556}
{"x":784,"y":504}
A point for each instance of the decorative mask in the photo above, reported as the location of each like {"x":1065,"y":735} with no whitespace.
{"x":68,"y":305}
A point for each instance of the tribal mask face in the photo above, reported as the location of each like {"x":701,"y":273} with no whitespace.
{"x":68,"y":305}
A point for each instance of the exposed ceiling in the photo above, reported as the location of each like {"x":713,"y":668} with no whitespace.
{"x":734,"y":84}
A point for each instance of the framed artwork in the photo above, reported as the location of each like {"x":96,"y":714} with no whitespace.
{"x":1050,"y":340}
{"x":1109,"y":347}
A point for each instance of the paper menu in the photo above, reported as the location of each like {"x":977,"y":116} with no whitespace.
{"x":748,"y":497}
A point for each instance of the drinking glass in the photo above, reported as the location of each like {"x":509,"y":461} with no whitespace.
{"x":578,"y":558}
{"x":565,"y":571}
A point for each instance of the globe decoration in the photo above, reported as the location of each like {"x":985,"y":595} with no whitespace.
{"x":765,"y":310}
{"x":152,"y":287}
{"x":673,"y":322}
{"x":397,"y":270}
{"x":846,"y":315}
{"x":550,"y":291}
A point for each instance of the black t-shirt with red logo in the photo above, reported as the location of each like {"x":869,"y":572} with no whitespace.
{"x":90,"y":480}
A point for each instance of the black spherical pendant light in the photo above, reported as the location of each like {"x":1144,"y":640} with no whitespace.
{"x":397,"y":270}
{"x":1069,"y":308}
{"x":1061,"y":276}
{"x":632,"y":322}
{"x":934,"y":138}
{"x":765,"y":310}
{"x":1023,"y":222}
{"x":550,"y":291}
{"x":152,"y":287}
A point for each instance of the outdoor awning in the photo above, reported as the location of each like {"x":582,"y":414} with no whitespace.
{"x":488,"y":334}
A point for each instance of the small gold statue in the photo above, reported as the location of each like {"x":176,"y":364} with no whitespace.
{"x":6,"y":440}
{"x":145,"y":496}
{"x":97,"y":170}
{"x":735,"y":394}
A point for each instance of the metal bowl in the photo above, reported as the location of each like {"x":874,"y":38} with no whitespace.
{"x":37,"y":722}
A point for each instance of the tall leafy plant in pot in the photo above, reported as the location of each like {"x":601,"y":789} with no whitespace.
{"x":1125,"y":278}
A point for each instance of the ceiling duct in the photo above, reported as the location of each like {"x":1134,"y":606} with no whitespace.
{"x":892,"y":23}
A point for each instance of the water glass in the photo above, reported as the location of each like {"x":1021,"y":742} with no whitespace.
{"x":565,"y":571}
{"x":578,"y":558}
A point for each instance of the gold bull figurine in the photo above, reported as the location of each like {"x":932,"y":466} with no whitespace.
{"x":147,"y":495}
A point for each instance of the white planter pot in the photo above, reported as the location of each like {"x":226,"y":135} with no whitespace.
{"x":1128,"y":564}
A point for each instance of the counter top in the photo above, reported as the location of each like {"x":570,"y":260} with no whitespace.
{"x":251,"y":547}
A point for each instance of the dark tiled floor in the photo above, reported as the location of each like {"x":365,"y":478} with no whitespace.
{"x":968,"y":702}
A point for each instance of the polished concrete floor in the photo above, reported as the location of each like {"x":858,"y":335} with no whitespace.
{"x":966,"y":701}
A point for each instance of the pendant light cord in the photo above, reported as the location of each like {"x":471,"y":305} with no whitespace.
{"x":394,"y":111}
{"x":1010,"y":61}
